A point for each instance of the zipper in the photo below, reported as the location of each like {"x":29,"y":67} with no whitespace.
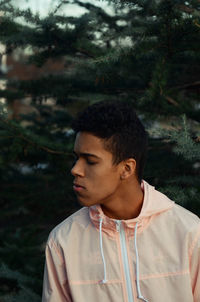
{"x":120,"y":229}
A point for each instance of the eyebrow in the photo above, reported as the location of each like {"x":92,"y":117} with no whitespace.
{"x":86,"y":154}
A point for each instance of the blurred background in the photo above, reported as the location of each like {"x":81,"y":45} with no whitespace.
{"x":56,"y":58}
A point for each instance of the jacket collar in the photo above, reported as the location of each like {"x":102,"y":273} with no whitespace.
{"x":154,"y":203}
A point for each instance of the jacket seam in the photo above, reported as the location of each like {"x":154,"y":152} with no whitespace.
{"x":52,"y":242}
{"x":93,"y":282}
{"x":153,"y":276}
{"x":194,"y":242}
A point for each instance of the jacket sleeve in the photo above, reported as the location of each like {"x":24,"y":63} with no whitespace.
{"x":55,"y":282}
{"x":195,"y":266}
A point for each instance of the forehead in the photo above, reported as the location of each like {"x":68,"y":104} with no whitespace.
{"x":88,"y":143}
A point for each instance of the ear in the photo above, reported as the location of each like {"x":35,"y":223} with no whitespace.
{"x":128,"y":169}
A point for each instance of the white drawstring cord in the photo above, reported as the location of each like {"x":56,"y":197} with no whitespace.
{"x":101,"y":247}
{"x":137,"y":260}
{"x":137,"y":267}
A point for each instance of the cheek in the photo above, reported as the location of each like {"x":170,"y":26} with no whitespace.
{"x":96,"y":174}
{"x":104,"y":181}
{"x":99,"y":187}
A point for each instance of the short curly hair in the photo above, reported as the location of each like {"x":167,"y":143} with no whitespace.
{"x":118,"y":125}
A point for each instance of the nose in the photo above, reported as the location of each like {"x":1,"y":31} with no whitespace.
{"x":77,"y":169}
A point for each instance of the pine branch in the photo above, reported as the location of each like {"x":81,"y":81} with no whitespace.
{"x":18,"y":134}
{"x":188,"y":85}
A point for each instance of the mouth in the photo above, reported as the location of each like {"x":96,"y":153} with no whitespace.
{"x":77,"y":187}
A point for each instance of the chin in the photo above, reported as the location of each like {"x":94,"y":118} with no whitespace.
{"x":86,"y":202}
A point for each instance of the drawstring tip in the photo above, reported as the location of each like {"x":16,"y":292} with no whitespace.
{"x":142,"y":298}
{"x":103,"y":281}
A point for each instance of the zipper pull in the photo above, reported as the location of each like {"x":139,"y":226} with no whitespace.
{"x":118,"y":224}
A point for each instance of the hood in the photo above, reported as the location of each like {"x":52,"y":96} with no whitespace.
{"x":154,"y":203}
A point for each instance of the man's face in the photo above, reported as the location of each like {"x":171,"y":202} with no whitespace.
{"x":94,"y":171}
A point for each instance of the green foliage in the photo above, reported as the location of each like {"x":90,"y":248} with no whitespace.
{"x":17,"y":283}
{"x":181,"y":148}
{"x":146,"y":53}
{"x":186,"y":146}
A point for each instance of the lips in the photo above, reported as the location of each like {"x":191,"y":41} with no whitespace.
{"x":78,"y":188}
{"x":77,"y":185}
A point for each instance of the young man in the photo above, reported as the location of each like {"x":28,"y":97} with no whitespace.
{"x":129,"y":242}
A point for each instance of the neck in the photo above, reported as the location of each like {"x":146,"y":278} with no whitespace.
{"x":127,"y":204}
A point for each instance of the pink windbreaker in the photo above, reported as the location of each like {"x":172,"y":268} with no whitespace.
{"x":154,"y":257}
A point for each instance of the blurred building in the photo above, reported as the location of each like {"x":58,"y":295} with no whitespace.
{"x":14,"y":66}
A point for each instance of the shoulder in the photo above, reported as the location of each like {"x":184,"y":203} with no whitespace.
{"x":186,"y":223}
{"x":72,"y":224}
{"x":186,"y":219}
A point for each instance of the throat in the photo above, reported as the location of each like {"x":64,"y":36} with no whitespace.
{"x":124,"y":210}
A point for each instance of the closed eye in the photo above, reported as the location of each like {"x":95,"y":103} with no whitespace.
{"x":90,"y":162}
{"x":75,"y":158}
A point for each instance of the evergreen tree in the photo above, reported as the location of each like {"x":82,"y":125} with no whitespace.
{"x":145,"y":52}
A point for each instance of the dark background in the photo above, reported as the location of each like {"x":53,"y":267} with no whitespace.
{"x":52,"y":66}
